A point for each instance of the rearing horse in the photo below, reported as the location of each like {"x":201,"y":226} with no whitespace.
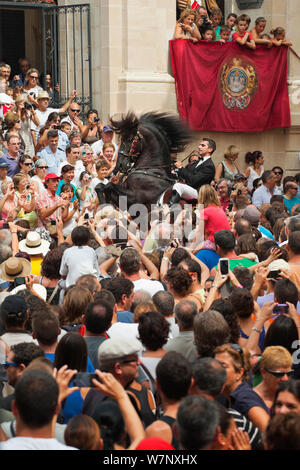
{"x":144,"y":157}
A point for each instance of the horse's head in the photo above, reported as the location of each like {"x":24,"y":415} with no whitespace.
{"x":132,"y":141}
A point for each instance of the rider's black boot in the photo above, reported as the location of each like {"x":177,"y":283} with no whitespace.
{"x":175,"y":197}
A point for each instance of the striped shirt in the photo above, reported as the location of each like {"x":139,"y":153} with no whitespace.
{"x":45,"y":200}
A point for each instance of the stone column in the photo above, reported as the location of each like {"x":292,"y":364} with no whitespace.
{"x":134,"y":65}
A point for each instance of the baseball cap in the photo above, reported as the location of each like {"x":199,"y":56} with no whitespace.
{"x":14,"y":307}
{"x":252,"y":214}
{"x":278,"y":265}
{"x":3,"y":163}
{"x":116,"y":348}
{"x":107,"y":129}
{"x":52,"y":176}
{"x":43,"y":94}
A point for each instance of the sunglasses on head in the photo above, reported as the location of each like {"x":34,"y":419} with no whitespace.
{"x":238,"y":349}
{"x":278,"y":374}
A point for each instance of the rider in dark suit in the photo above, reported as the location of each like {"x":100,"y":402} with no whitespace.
{"x":200,"y":172}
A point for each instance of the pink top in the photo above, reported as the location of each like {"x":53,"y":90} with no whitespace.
{"x":215,"y":220}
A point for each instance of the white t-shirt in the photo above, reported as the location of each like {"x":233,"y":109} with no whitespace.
{"x":33,"y":443}
{"x":98,"y":146}
{"x":76,"y":261}
{"x":96,"y":181}
{"x":42,"y":117}
{"x":125,"y":330}
{"x":149,"y":285}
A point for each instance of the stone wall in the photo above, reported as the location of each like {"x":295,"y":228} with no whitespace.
{"x":131,"y":68}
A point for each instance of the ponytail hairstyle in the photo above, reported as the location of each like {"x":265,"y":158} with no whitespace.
{"x":277,"y":31}
{"x":251,"y":157}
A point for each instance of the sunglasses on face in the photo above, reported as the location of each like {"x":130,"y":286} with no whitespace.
{"x":279,"y":374}
{"x":33,"y":77}
{"x":43,"y":167}
{"x":277,"y":173}
{"x":75,"y":110}
{"x":27,"y":164}
{"x":8,"y":364}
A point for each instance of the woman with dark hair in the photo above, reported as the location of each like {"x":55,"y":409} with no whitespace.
{"x":153,"y":331}
{"x":224,"y":307}
{"x":238,"y":392}
{"x":255,"y":161}
{"x":50,"y":273}
{"x":72,"y":351}
{"x":179,"y":282}
{"x":92,"y":129}
{"x":243,"y":306}
{"x":246,"y":244}
{"x":287,"y":398}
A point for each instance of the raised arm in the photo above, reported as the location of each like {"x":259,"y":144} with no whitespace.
{"x":110,"y":386}
{"x":64,"y":108}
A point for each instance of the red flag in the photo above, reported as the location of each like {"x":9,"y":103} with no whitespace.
{"x":195,"y":5}
{"x":229,"y":88}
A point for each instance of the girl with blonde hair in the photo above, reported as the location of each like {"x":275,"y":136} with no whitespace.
{"x":186,"y":27}
{"x":227,"y":168}
{"x":212,"y":218}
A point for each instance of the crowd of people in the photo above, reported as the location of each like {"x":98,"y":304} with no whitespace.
{"x":114,"y":337}
{"x":196,"y":24}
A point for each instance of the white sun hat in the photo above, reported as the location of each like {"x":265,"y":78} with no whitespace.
{"x":34,"y":244}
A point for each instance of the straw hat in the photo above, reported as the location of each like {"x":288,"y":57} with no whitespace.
{"x":43,"y":94}
{"x":14,"y":267}
{"x":34,"y":244}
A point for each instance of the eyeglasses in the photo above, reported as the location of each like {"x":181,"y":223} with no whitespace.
{"x":75,"y":110}
{"x":279,"y":374}
{"x":8,"y":364}
{"x":128,"y":361}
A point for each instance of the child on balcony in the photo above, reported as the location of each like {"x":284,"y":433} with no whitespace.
{"x":257,"y":32}
{"x":231,"y":23}
{"x":216,"y":17}
{"x":210,"y":34}
{"x":279,"y":37}
{"x":225,"y":34}
{"x":242,"y":36}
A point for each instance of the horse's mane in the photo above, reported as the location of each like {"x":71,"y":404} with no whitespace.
{"x":171,"y":128}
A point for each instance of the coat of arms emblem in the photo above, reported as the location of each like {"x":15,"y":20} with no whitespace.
{"x":238,"y":81}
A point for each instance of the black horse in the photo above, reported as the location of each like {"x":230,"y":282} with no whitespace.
{"x":144,"y":162}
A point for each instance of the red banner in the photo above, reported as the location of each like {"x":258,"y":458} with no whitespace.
{"x":229,"y":88}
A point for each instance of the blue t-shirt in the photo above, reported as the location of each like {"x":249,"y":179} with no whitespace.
{"x":124,"y":316}
{"x":265,"y":232}
{"x":289,"y":203}
{"x":209,"y":257}
{"x":60,"y":184}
